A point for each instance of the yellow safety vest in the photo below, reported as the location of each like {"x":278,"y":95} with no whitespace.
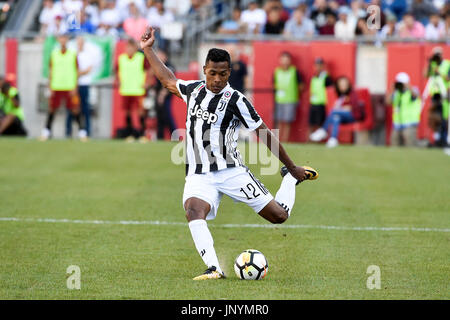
{"x":132,"y":74}
{"x":64,"y":74}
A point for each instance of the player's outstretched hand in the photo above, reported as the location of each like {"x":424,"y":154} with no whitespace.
{"x":148,"y":38}
{"x":298,"y":173}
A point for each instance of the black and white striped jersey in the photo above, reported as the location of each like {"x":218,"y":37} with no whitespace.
{"x":212,"y":126}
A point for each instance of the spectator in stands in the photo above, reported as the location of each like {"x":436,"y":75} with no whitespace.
{"x":288,"y":86}
{"x":132,"y":76}
{"x":318,"y":94}
{"x":63,"y":76}
{"x":254,"y":18}
{"x":47,"y":17}
{"x":196,"y":7}
{"x":91,"y":10}
{"x":390,"y":28}
{"x":406,"y":106}
{"x":421,"y":10}
{"x":149,"y":4}
{"x":328,"y":28}
{"x":274,"y":24}
{"x":291,"y":5}
{"x":362,"y":29}
{"x":109,"y":19}
{"x":239,"y":75}
{"x":157,"y":15}
{"x":234,"y":25}
{"x":69,"y":6}
{"x":272,"y":4}
{"x":410,"y":28}
{"x":177,"y":7}
{"x":356,"y":11}
{"x":123,"y":6}
{"x":299,"y":25}
{"x":276,"y":5}
{"x":397,"y":7}
{"x":163,"y":102}
{"x":382,"y":17}
{"x":136,"y":25}
{"x":11,"y":113}
{"x":58,"y":27}
{"x":435,"y":29}
{"x":344,"y":111}
{"x":344,"y":28}
{"x":320,"y":12}
{"x":84,"y":26}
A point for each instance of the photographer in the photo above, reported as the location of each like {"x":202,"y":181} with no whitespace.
{"x":11,"y":114}
{"x":406,"y":111}
{"x":438,"y":74}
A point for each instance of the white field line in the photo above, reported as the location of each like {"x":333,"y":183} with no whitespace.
{"x":263,"y":226}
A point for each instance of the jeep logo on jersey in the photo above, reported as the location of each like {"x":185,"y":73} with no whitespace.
{"x":205,"y":115}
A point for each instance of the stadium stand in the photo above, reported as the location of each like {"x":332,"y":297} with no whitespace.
{"x":309,"y":27}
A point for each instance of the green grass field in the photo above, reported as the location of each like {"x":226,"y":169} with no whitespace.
{"x":113,"y":181}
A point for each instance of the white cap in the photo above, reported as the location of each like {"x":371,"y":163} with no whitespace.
{"x":402,"y":77}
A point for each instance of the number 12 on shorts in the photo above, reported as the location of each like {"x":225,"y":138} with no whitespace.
{"x":251,"y":189}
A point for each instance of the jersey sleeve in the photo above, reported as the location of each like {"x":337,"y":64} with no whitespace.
{"x":247,"y":114}
{"x":185,"y":88}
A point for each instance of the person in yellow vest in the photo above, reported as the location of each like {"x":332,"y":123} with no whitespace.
{"x":11,"y":114}
{"x":318,"y":95}
{"x":406,"y":107}
{"x":288,"y":85}
{"x":63,"y":82}
{"x":437,"y":88}
{"x":132,"y":75}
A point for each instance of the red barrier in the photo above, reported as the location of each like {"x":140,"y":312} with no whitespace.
{"x":11,"y":54}
{"x":339,"y":58}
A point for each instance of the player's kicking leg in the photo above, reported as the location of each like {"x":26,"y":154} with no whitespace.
{"x":196,"y":212}
{"x":279,"y":210}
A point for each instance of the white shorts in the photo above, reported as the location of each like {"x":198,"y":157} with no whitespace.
{"x":237,"y":183}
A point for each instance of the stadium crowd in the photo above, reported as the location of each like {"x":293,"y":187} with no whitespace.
{"x":112,"y":17}
{"x":343,"y":19}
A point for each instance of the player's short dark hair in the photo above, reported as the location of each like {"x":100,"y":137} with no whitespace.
{"x":218,"y":55}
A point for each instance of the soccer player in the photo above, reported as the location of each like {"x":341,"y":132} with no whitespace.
{"x":63,"y":80}
{"x":132,"y":75}
{"x":214,"y":167}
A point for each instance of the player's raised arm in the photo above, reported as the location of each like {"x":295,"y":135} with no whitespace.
{"x":164,"y":74}
{"x":274,"y":145}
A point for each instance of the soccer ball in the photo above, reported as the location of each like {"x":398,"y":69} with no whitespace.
{"x":251,"y":265}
